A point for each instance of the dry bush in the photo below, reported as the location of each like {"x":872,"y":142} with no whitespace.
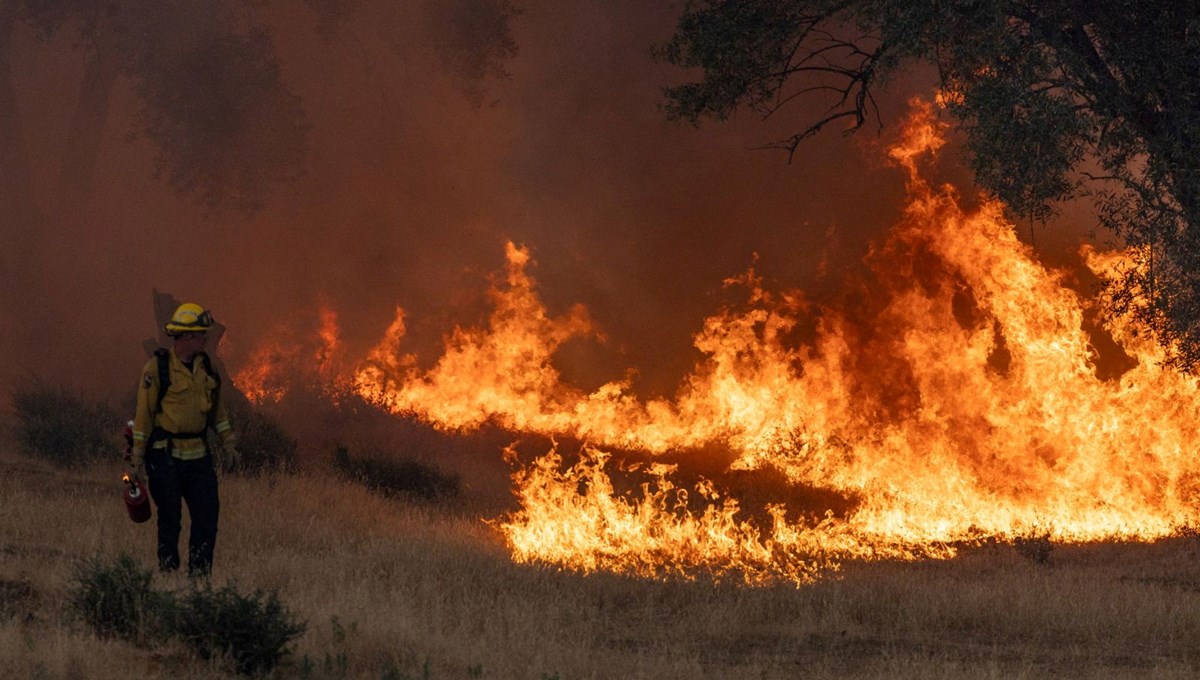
{"x":1035,"y":547}
{"x":264,"y":445}
{"x":252,"y":631}
{"x":116,"y":599}
{"x":18,"y":598}
{"x":63,"y":427}
{"x":467,"y":461}
{"x":394,"y":476}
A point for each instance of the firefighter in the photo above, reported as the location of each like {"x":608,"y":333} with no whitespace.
{"x":178,"y":400}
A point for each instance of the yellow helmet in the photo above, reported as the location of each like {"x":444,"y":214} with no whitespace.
{"x":189,"y":317}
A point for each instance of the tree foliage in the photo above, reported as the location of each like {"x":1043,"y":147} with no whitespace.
{"x":226,"y":127}
{"x":473,"y":40}
{"x":243,"y":136}
{"x":1058,"y":99}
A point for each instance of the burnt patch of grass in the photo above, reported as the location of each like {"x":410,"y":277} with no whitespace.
{"x":395,"y":476}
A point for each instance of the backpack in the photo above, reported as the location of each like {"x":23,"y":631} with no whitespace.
{"x":164,"y":377}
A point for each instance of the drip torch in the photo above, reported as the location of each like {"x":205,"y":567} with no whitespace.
{"x":136,"y":502}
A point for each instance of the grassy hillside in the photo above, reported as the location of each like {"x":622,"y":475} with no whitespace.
{"x":395,"y":589}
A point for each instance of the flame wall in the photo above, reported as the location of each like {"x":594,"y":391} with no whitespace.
{"x":954,"y":394}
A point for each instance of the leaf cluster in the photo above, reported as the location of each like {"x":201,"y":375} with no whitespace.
{"x":752,"y":52}
{"x":473,"y":40}
{"x":237,"y":129}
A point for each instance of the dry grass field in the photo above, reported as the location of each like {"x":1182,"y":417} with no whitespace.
{"x":400,"y":590}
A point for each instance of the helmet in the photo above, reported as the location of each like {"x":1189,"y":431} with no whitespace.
{"x":189,"y":317}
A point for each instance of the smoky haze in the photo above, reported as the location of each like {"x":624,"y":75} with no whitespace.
{"x":421,"y":163}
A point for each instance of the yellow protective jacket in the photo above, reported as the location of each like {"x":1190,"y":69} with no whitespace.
{"x":191,"y":396}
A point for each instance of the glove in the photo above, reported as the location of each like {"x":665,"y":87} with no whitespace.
{"x":231,"y":458}
{"x":137,"y":463}
{"x":137,"y":473}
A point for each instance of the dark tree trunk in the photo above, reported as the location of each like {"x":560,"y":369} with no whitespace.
{"x":16,"y":174}
{"x":86,"y":133}
{"x":21,"y":222}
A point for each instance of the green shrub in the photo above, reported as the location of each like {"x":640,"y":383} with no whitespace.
{"x":252,"y":631}
{"x":116,"y":600}
{"x":395,"y":476}
{"x":65,"y":428}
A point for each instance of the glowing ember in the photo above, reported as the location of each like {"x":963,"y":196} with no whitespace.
{"x":964,"y":401}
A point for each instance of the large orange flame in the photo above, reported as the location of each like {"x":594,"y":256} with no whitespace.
{"x":961,"y":399}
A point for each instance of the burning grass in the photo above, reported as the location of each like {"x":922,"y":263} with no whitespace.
{"x":422,"y":591}
{"x":960,"y":389}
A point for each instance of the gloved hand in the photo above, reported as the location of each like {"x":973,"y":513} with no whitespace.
{"x":136,"y":460}
{"x":137,"y":472}
{"x":231,"y":458}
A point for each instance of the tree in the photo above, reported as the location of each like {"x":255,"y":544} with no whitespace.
{"x":473,"y":41}
{"x":225,"y":125}
{"x":1057,"y":99}
{"x":227,"y":129}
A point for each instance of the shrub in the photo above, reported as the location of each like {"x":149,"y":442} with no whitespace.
{"x":252,"y":631}
{"x":1035,"y":547}
{"x":17,"y":598}
{"x":395,"y":476}
{"x":64,"y":428}
{"x":116,"y":600}
{"x":264,"y":445}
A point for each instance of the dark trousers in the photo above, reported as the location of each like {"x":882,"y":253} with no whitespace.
{"x":173,"y":481}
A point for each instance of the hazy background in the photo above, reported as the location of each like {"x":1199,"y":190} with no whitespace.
{"x":418,"y":172}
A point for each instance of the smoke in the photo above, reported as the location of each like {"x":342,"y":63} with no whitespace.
{"x":438,"y":132}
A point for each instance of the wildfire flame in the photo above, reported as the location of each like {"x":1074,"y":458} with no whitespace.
{"x":276,"y":366}
{"x":961,"y":400}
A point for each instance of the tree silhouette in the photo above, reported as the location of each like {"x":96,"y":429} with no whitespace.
{"x":225,"y":125}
